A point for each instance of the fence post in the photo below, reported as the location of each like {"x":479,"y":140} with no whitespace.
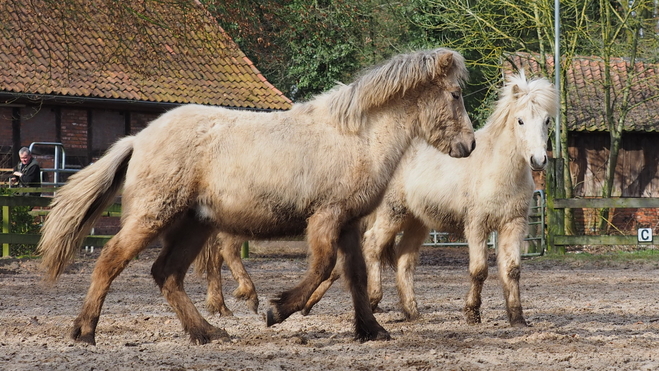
{"x":5,"y":229}
{"x":244,"y":252}
{"x":555,"y":217}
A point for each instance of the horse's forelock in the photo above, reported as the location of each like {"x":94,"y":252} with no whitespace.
{"x":518,"y":93}
{"x":378,"y":85}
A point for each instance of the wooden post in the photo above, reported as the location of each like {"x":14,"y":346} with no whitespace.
{"x":244,"y":252}
{"x":5,"y":229}
{"x":555,"y":217}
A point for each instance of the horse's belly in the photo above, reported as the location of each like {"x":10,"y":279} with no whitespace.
{"x":255,"y":222}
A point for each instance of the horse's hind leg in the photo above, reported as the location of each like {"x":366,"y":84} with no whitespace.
{"x":478,"y":273}
{"x":245,"y":290}
{"x":508,"y":259}
{"x":115,"y":256}
{"x":407,"y":257}
{"x":366,"y":326}
{"x":214,"y":259}
{"x":325,"y":285}
{"x":182,"y":244}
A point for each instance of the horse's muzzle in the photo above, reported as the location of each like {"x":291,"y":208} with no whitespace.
{"x":463,"y":148}
{"x":537,"y":162}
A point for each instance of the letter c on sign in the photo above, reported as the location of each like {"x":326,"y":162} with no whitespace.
{"x":645,"y":235}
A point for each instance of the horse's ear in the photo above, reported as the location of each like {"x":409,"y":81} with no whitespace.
{"x":515,"y":90}
{"x":445,"y":61}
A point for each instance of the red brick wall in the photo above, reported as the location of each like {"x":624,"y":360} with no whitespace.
{"x":37,"y":125}
{"x":74,"y":128}
{"x":139,"y":121}
{"x":5,"y":126}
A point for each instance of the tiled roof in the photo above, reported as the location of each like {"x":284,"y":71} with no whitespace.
{"x":585,"y":90}
{"x":143,"y":50}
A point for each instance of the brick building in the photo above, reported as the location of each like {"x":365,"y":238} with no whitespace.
{"x":87,"y":72}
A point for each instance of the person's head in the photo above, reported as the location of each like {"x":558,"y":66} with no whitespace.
{"x":25,"y":155}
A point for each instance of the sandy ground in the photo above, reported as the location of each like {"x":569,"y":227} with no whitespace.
{"x":584,"y":317}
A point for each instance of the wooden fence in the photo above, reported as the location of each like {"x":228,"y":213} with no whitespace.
{"x":598,"y":203}
{"x":557,"y":203}
{"x":39,"y":206}
{"x":556,"y":238}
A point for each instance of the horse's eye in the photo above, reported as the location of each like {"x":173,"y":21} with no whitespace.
{"x":520,"y":121}
{"x":547,"y":121}
{"x":455,"y":95}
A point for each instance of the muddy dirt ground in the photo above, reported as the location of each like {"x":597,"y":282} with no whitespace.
{"x":586,"y":316}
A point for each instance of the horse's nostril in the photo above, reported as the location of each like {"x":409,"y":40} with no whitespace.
{"x":473,"y":145}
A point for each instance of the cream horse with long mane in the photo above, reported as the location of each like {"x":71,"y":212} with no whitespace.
{"x":318,"y":168}
{"x":490,"y":190}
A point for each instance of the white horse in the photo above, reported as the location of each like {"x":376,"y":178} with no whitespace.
{"x":491,"y":190}
{"x":317,"y":168}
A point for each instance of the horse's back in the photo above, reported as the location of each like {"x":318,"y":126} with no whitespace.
{"x":253,"y":173}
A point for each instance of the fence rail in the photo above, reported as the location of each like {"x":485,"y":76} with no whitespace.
{"x":599,"y":203}
{"x":7,"y":202}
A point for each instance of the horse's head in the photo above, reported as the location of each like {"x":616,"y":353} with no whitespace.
{"x":426,"y":86}
{"x":443,"y":119}
{"x":532,"y":105}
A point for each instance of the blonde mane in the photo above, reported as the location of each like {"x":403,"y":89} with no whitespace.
{"x":518,"y":93}
{"x":348,"y":104}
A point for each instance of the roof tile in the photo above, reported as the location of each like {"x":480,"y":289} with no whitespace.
{"x":586,"y":92}
{"x":92,"y":59}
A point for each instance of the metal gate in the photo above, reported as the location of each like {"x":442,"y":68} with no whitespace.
{"x":534,"y":243}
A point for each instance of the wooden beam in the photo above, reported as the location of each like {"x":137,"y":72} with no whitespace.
{"x":24,"y":201}
{"x":601,"y":240}
{"x":596,"y":203}
{"x":33,"y":239}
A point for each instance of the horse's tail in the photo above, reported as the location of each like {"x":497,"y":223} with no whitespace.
{"x":78,"y":205}
{"x":390,"y":255}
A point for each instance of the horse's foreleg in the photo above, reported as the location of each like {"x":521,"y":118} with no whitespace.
{"x":182,"y":244}
{"x":407,"y":259}
{"x":214,"y":295}
{"x":478,"y":274}
{"x":322,"y":236}
{"x":115,"y":256}
{"x":366,"y":326}
{"x":325,"y":285}
{"x":508,"y":260}
{"x":245,"y":290}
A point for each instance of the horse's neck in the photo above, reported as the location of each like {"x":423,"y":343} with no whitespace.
{"x":503,"y":151}
{"x":387,"y":139}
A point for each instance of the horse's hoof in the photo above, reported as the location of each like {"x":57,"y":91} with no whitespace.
{"x":222,"y":310}
{"x":516,"y":318}
{"x":473,"y":316}
{"x":272,"y":317}
{"x":379,"y":335}
{"x":413,"y":316}
{"x":305,"y":311}
{"x":205,"y":337}
{"x":253,"y":305}
{"x":521,"y":323}
{"x":76,"y":335}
